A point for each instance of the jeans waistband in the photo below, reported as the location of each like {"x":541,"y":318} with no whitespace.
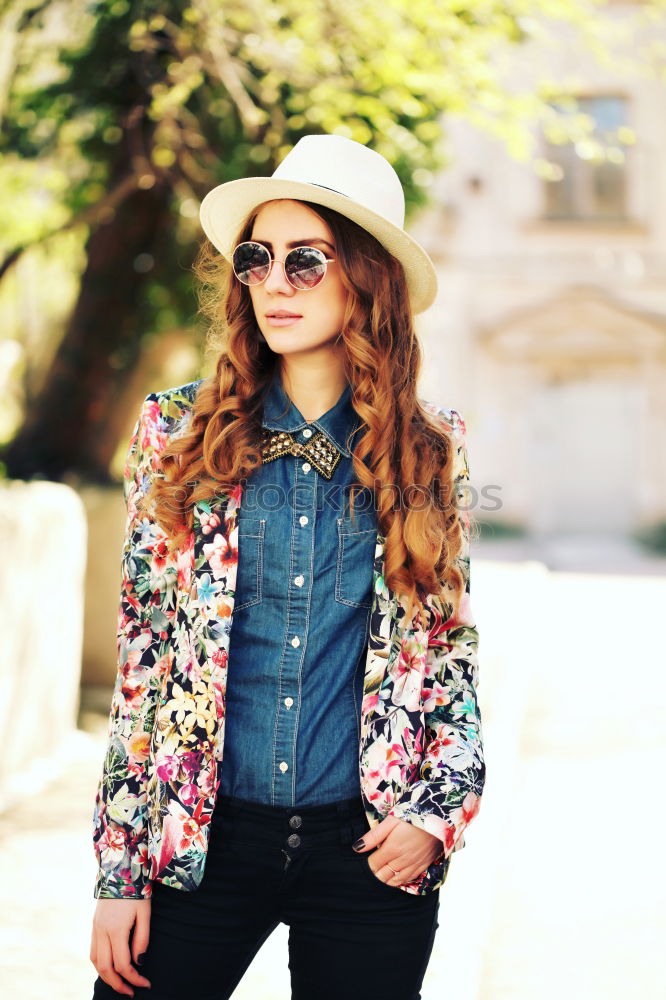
{"x":342,"y":821}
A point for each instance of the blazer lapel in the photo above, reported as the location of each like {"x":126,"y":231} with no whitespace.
{"x":207,"y":583}
{"x":381,"y":647}
{"x":215,"y":557}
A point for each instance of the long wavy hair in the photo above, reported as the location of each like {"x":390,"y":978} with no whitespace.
{"x":401,"y":451}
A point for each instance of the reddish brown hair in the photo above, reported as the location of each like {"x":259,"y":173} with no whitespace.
{"x":400,"y":446}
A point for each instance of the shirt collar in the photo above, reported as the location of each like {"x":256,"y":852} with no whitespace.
{"x":282,"y":414}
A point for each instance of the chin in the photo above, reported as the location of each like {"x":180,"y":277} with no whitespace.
{"x":289,"y":342}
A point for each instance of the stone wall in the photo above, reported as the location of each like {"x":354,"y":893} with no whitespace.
{"x":43,"y":544}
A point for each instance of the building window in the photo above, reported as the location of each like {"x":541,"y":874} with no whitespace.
{"x":589,"y":173}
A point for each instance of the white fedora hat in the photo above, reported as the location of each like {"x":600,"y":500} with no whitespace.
{"x":342,"y":174}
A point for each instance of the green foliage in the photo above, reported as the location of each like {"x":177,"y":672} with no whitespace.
{"x":218,"y":90}
{"x":99,"y":98}
{"x":493,"y":529}
{"x":653,"y":538}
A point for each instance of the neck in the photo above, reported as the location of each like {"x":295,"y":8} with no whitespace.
{"x":313,"y":390}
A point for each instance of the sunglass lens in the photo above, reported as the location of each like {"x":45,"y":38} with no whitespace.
{"x":305,"y":267}
{"x":251,"y":262}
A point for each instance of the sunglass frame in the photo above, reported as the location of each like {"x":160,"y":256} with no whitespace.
{"x":272,"y":260}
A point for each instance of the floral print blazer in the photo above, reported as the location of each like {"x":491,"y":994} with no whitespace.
{"x":420,"y":752}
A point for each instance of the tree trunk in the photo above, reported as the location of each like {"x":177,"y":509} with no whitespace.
{"x":61,"y":433}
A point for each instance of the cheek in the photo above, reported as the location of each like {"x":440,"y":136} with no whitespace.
{"x":338,"y":298}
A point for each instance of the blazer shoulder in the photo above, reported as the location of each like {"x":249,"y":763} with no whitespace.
{"x":172,"y":407}
{"x":164,"y":415}
{"x":451,"y":419}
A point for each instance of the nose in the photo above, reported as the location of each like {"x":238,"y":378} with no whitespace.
{"x":277,"y":279}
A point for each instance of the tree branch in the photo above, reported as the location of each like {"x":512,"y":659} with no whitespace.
{"x":95,"y":214}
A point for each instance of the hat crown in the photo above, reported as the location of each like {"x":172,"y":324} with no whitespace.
{"x":348,"y":168}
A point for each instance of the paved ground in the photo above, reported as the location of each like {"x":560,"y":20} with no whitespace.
{"x":560,"y":889}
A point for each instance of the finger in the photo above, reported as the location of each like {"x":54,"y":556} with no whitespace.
{"x":122,"y":961}
{"x":384,"y":856}
{"x":395,"y":870}
{"x":408,"y":868}
{"x":391,"y":873}
{"x":380,"y":867}
{"x":399,"y":876}
{"x":141,"y":933}
{"x":104,"y":966}
{"x":377,"y":872}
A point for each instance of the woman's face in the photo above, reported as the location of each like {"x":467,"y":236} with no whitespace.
{"x":319,"y":311}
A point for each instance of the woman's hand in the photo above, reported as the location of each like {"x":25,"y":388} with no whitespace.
{"x":109,"y":946}
{"x":405,"y":847}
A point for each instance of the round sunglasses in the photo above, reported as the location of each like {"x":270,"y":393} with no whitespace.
{"x":304,"y":267}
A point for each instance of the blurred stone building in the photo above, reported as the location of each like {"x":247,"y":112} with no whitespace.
{"x":549,"y":333}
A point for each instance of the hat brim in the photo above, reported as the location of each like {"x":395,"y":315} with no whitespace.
{"x":225,"y":208}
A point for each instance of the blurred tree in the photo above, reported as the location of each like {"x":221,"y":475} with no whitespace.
{"x":143,"y":107}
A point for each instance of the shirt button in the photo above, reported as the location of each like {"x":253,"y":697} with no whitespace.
{"x":295,"y":641}
{"x":299,"y":580}
{"x":303,"y":520}
{"x":293,"y":840}
{"x":306,"y":467}
{"x":307,"y":433}
{"x":289,"y":702}
{"x":284,"y":766}
{"x":295,"y":822}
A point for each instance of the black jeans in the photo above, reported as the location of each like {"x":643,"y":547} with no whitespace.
{"x":350,"y":934}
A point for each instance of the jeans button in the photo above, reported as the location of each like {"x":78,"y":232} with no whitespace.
{"x":293,"y":840}
{"x":295,"y":822}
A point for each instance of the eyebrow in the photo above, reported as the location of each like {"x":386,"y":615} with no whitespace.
{"x":295,"y":243}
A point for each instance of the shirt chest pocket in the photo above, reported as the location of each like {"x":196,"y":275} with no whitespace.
{"x":251,"y":535}
{"x":356,"y":557}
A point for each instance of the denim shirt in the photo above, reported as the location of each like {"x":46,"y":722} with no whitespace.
{"x":299,"y":630}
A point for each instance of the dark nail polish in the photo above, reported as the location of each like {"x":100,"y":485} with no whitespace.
{"x":359,"y":844}
{"x":140,"y":958}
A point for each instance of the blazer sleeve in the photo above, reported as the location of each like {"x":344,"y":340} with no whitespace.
{"x":143,"y":633}
{"x":446,"y":795}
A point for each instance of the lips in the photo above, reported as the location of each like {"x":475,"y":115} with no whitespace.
{"x":281,"y":314}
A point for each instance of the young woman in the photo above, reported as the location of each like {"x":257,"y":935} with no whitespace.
{"x":294,"y":734}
